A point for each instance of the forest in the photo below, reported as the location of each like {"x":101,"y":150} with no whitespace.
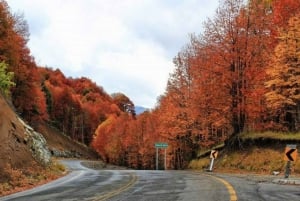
{"x":241,"y":74}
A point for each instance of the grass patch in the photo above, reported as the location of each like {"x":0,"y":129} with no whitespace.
{"x":207,"y":151}
{"x":199,"y":164}
{"x":271,"y":135}
{"x":260,"y":153}
{"x":57,"y":167}
{"x":255,"y":160}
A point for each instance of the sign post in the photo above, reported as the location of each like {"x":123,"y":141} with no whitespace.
{"x":161,"y":145}
{"x":156,"y":158}
{"x":213,"y":156}
{"x":290,"y":155}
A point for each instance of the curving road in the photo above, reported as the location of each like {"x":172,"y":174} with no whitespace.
{"x":81,"y":184}
{"x":86,"y":184}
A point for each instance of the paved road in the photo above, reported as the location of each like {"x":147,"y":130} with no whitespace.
{"x":262,"y":188}
{"x":116,"y":185}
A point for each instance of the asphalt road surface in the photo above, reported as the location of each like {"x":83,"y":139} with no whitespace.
{"x":84,"y":184}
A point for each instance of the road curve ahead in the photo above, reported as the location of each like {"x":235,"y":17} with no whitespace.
{"x":81,"y":184}
{"x":84,"y":184}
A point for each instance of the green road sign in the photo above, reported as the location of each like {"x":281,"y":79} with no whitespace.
{"x":161,"y":145}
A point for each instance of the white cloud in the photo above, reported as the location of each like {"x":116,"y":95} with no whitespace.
{"x":123,"y":45}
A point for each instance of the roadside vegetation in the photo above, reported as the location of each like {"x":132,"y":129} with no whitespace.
{"x":240,"y":75}
{"x":281,"y":136}
{"x":15,"y":180}
{"x":5,"y":80}
{"x":260,"y":153}
{"x":254,"y":160}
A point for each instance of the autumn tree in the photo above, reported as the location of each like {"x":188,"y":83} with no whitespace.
{"x":124,"y":103}
{"x":141,"y":135}
{"x":100,"y":141}
{"x":283,"y":10}
{"x":110,"y":140}
{"x":26,"y":94}
{"x":180,"y":113}
{"x":283,"y":95}
{"x":240,"y":35}
{"x":64,"y":106}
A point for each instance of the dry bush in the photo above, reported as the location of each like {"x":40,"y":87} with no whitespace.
{"x":296,"y":167}
{"x":199,"y":164}
{"x":14,"y":180}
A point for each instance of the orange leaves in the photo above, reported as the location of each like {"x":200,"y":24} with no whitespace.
{"x":76,"y":106}
{"x":283,"y":84}
{"x":27,"y":95}
{"x":284,"y":10}
{"x":217,"y":86}
{"x":128,"y":141}
{"x":103,"y":134}
{"x":124,"y":103}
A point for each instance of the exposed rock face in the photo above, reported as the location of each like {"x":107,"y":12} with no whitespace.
{"x":63,"y":146}
{"x":20,"y":146}
{"x":65,"y":153}
{"x":37,"y":144}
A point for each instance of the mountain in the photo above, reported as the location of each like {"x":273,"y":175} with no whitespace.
{"x":140,"y":109}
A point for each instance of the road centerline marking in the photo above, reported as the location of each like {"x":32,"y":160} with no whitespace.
{"x":133,"y":179}
{"x":229,"y":187}
{"x":231,"y":191}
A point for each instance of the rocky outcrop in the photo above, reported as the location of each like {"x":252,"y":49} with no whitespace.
{"x":65,"y":153}
{"x":37,"y":145}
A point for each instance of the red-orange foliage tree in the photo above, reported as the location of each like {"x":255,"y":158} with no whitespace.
{"x":283,"y":10}
{"x":242,"y":52}
{"x":75,"y":106}
{"x":127,"y":140}
{"x":283,"y":97}
{"x":26,"y":95}
{"x":216,"y":90}
{"x":218,"y":83}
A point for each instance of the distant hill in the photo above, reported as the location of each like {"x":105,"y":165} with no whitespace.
{"x":140,"y":109}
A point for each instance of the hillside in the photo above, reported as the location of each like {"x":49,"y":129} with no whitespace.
{"x":260,"y":153}
{"x":26,"y":155}
{"x":238,"y":76}
{"x":63,"y":146}
{"x":16,"y":144}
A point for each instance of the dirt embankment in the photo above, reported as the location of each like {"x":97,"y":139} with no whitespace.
{"x":20,"y":144}
{"x":261,"y":155}
{"x":63,"y":146}
{"x":25,"y":154}
{"x":14,"y":149}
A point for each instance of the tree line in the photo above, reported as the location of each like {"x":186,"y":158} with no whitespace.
{"x":43,"y":95}
{"x":241,"y":74}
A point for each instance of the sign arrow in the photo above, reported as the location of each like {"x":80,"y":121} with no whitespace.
{"x":288,"y":154}
{"x":213,"y":154}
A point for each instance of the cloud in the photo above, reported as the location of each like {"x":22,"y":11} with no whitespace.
{"x":123,"y":45}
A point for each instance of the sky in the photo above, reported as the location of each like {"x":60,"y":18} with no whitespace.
{"x":124,"y":46}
